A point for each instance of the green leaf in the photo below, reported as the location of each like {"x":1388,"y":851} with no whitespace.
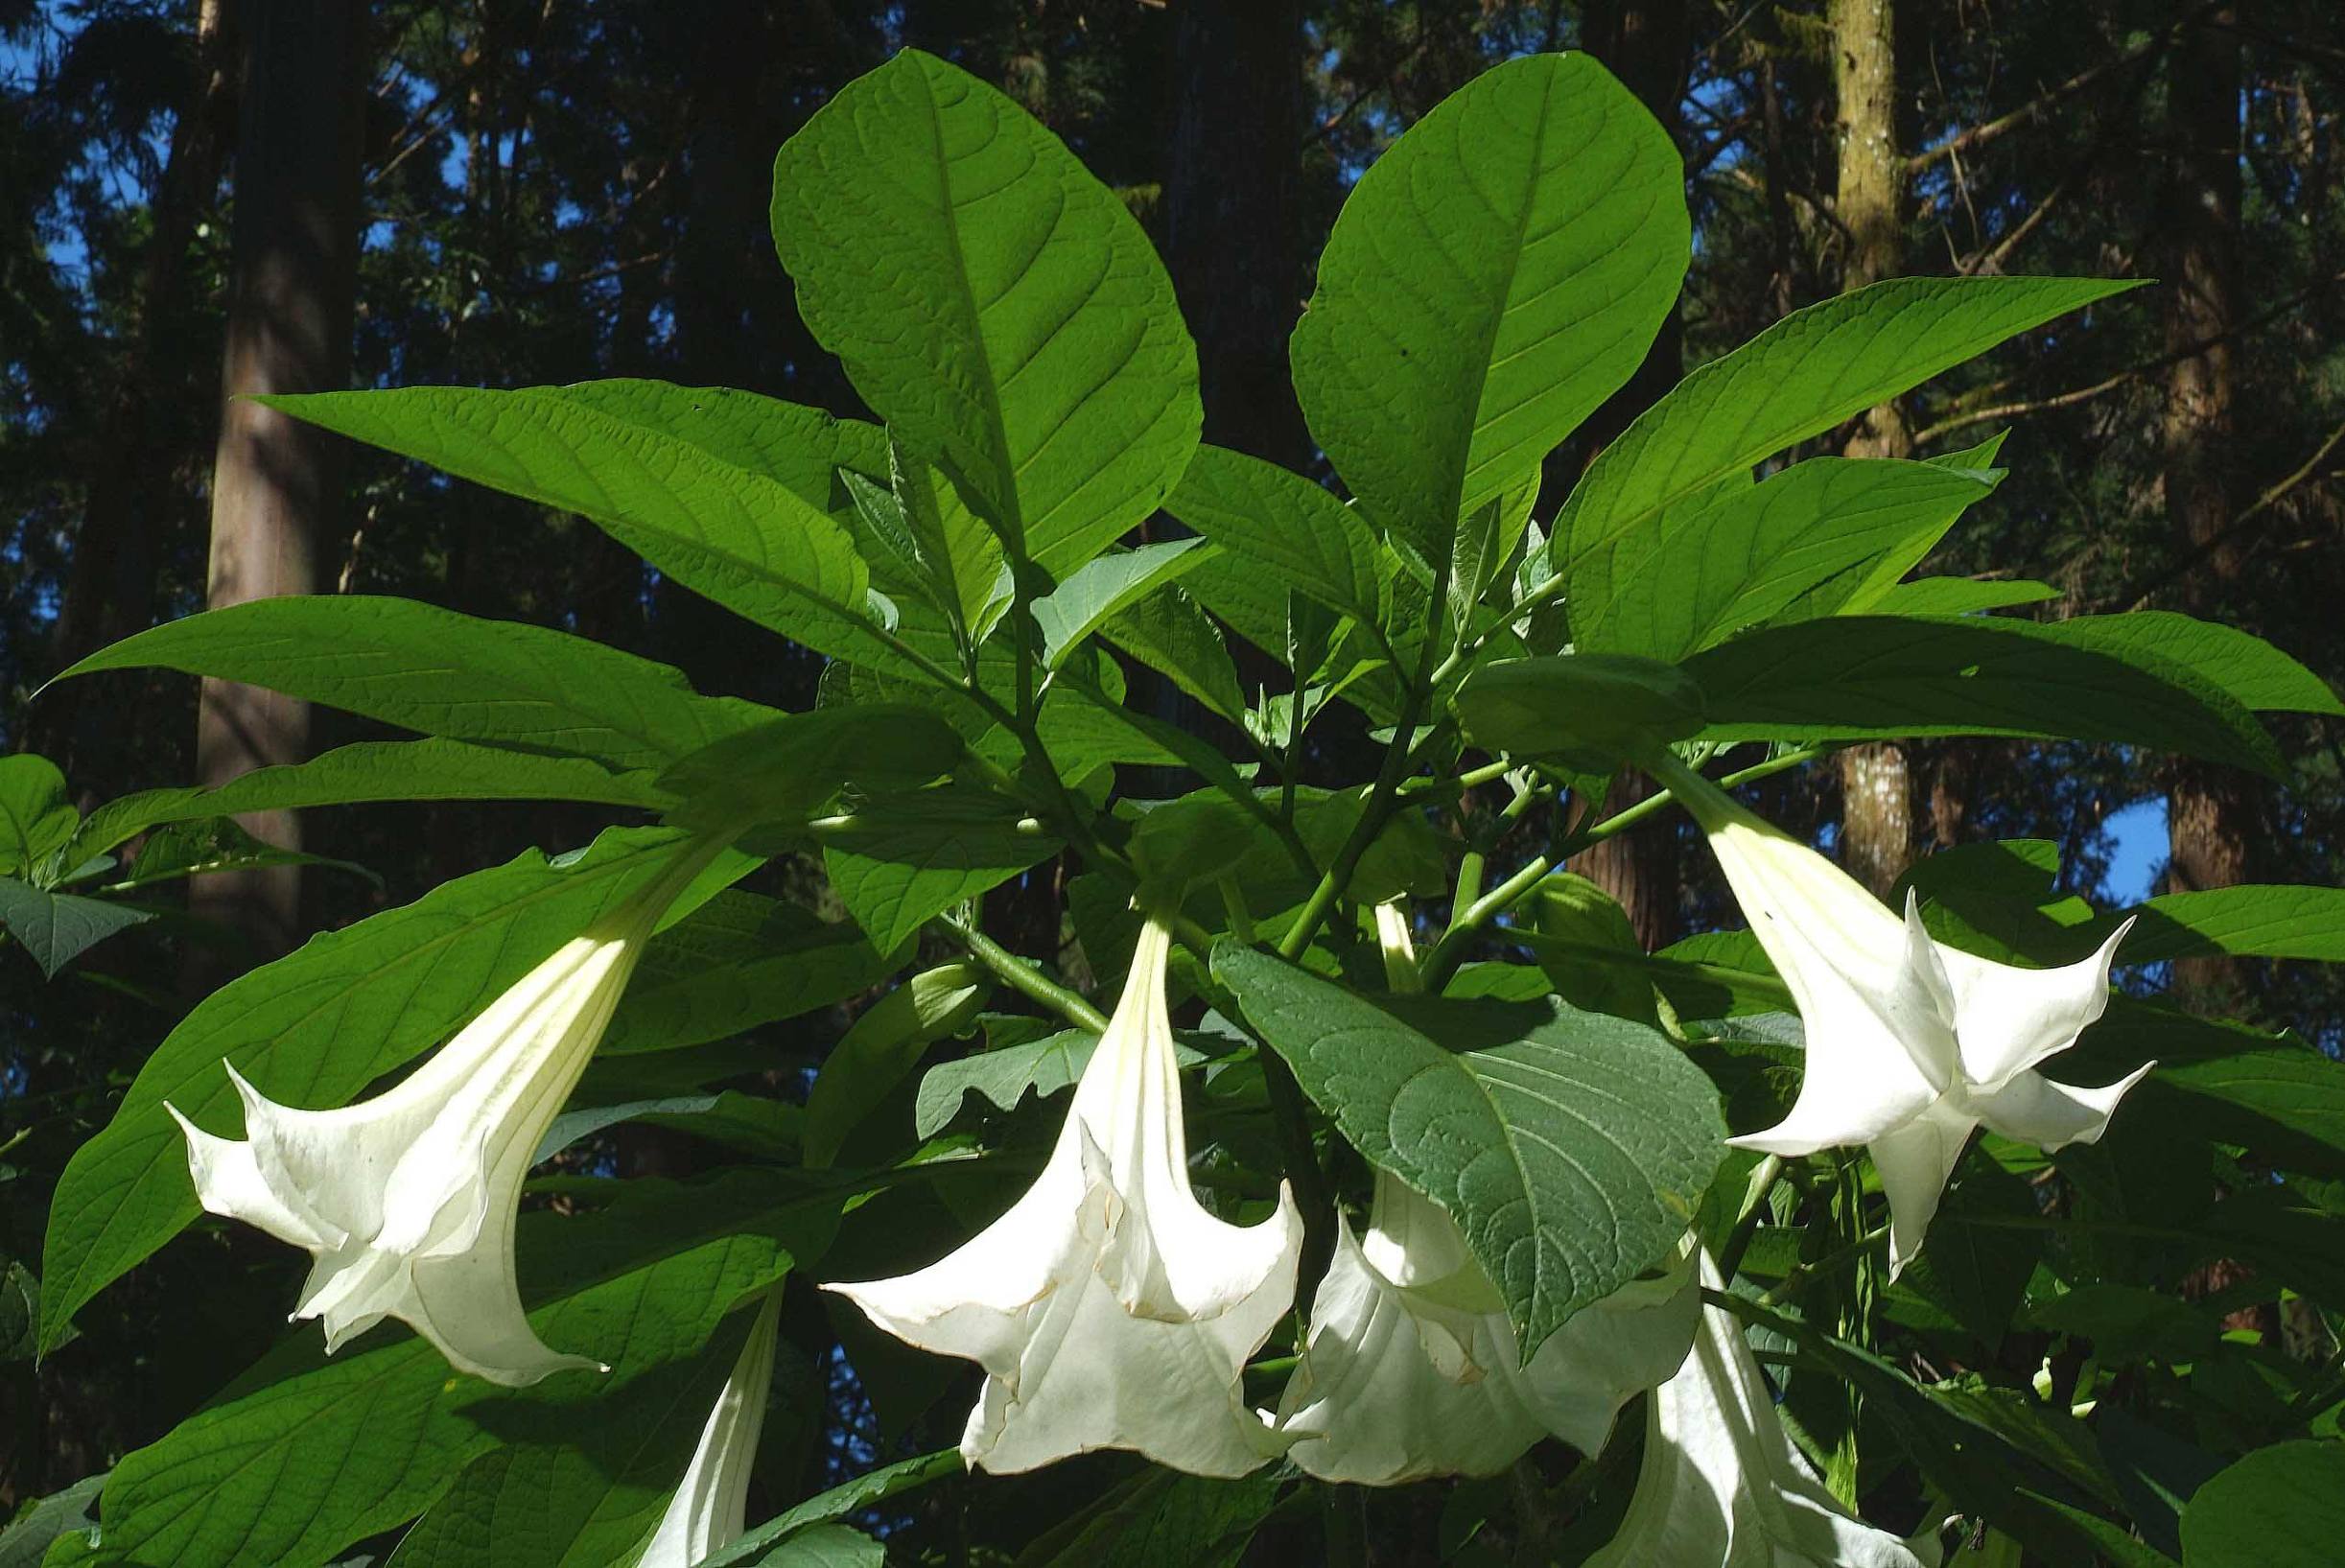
{"x":35,"y":816}
{"x":57,"y":928}
{"x":2252,"y":921}
{"x":315,"y":1027}
{"x":1869,"y":677}
{"x":1169,"y":632}
{"x":882,"y":1045}
{"x":1002,"y":1076}
{"x":27,"y":1538}
{"x":1161,"y":1519}
{"x":1263,"y":516}
{"x":922,"y":854}
{"x":1746,"y":552}
{"x":998,"y":306}
{"x":372,"y":770}
{"x":827,"y":1546}
{"x":585,"y":1498}
{"x":2258,"y":675}
{"x":1498,"y":273}
{"x":193,"y":849}
{"x":1953,"y":597}
{"x":303,"y":1454}
{"x":848,"y":1497}
{"x":1615,"y":705}
{"x":738,"y":961}
{"x":753,"y":543}
{"x":801,"y":449}
{"x":2272,"y":1093}
{"x":1570,"y":1147}
{"x":942,"y":547}
{"x":2282,"y":1506}
{"x":778,"y":770}
{"x":434,"y":670}
{"x":1799,"y":378}
{"x":1096,"y":590}
{"x":2129,"y":1324}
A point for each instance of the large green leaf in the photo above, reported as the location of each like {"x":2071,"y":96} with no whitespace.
{"x":587,"y":1497}
{"x":1864,"y":677}
{"x":303,"y":1454}
{"x":882,"y":1046}
{"x":317,"y":1026}
{"x":920,"y":855}
{"x":799,"y":448}
{"x":1618,"y":705}
{"x":2271,"y":1094}
{"x":998,"y":306}
{"x":1170,"y":632}
{"x":1266,"y":517}
{"x":1799,"y":378}
{"x":373,"y":770}
{"x":2282,"y":1506}
{"x":2254,"y":920}
{"x":755,"y":544}
{"x":1498,"y":273}
{"x":1002,"y":1076}
{"x":2258,"y":675}
{"x":1744,"y":555}
{"x":776,"y":770}
{"x":35,"y":816}
{"x":1570,"y":1147}
{"x":431,"y":669}
{"x":738,"y":961}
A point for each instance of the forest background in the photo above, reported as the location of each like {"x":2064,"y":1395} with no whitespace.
{"x":514,"y":192}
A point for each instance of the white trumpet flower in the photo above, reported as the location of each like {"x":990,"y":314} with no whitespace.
{"x":1912,"y":1044}
{"x":407,"y":1201}
{"x":1107,"y":1307}
{"x":1721,"y":1485}
{"x":710,"y":1507}
{"x":1412,"y":1366}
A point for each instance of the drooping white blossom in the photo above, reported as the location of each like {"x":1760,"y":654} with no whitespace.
{"x":1412,"y":1368}
{"x":1721,"y":1485}
{"x":1911,"y":1043}
{"x":406,"y":1202}
{"x":711,"y":1507}
{"x":1107,"y":1307}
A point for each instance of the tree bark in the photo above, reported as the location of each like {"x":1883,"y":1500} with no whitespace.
{"x":1648,"y":44}
{"x":1233,"y":222}
{"x":1876,"y":778}
{"x":276,"y":483}
{"x":2210,"y":811}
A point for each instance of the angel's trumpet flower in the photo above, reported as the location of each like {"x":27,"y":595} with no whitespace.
{"x":1721,"y":1485}
{"x":711,"y":1507}
{"x":1107,"y":1307}
{"x":407,"y":1201}
{"x":1912,"y":1044}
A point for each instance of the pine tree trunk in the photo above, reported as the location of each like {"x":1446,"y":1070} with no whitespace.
{"x":1233,"y":225}
{"x":1876,"y":779}
{"x":2210,"y":811}
{"x":1647,"y":43}
{"x":276,"y":483}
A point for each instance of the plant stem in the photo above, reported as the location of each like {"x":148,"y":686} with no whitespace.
{"x":1024,"y":980}
{"x":1762,"y":1179}
{"x":1802,"y":1272}
{"x":1630,"y":816}
{"x":1450,"y":951}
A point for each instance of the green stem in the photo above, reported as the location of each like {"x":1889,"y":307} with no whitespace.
{"x":1026,"y":980}
{"x":1450,"y":951}
{"x":1458,"y":786}
{"x":1802,"y":1272}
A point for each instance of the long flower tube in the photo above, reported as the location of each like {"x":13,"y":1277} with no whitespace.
{"x":1911,"y":1045}
{"x":1412,"y":1368}
{"x":1107,"y":1306}
{"x":406,"y":1202}
{"x":1721,"y":1485}
{"x":711,"y":1507}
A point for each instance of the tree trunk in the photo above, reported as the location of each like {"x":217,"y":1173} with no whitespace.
{"x":1232,"y":226}
{"x":1876,"y":781}
{"x":2210,"y":811}
{"x":1648,"y":44}
{"x":133,"y":495}
{"x":277,"y":482}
